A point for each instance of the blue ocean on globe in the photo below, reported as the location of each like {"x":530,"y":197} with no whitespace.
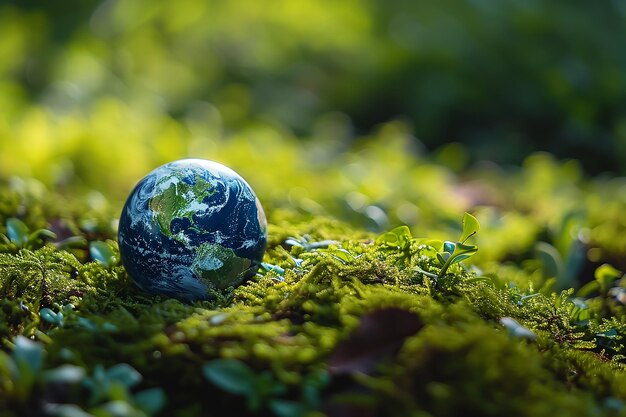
{"x":190,"y":226}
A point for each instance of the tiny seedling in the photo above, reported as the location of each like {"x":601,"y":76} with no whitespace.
{"x":19,"y":235}
{"x":399,"y":239}
{"x":453,"y":253}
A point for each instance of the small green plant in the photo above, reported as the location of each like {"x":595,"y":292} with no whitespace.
{"x":58,"y":319}
{"x":451,"y":252}
{"x":456,"y":252}
{"x":605,"y":276}
{"x":399,"y":239}
{"x":19,"y":236}
{"x":102,"y":253}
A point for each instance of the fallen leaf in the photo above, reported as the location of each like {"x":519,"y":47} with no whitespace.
{"x":380,"y":334}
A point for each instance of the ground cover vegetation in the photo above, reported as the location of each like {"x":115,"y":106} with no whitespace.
{"x":425,"y":256}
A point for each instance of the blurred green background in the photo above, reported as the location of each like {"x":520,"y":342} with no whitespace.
{"x":124,"y":85}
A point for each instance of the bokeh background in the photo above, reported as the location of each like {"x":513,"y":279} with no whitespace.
{"x":146,"y":81}
{"x":375,"y":112}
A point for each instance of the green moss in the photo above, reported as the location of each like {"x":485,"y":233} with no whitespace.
{"x":286,"y":329}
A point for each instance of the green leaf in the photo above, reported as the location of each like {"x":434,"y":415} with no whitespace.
{"x":588,"y":289}
{"x":461,"y":258}
{"x":488,"y":280}
{"x":428,"y":274}
{"x":342,"y":255}
{"x":37,"y":234}
{"x":612,"y":333}
{"x":17,"y":231}
{"x":102,"y":252}
{"x":433,"y":243}
{"x":398,"y":237}
{"x":462,"y":252}
{"x":150,"y":400}
{"x":517,"y":330}
{"x":66,"y":374}
{"x":580,"y":311}
{"x":72,"y":242}
{"x":116,"y":408}
{"x":470,"y":227}
{"x":65,"y":410}
{"x":285,"y":408}
{"x":67,"y":308}
{"x":275,"y":268}
{"x":312,"y":385}
{"x":124,"y":374}
{"x":550,"y":259}
{"x":605,"y":275}
{"x":231,"y":375}
{"x":48,"y":315}
{"x":28,"y":353}
{"x":51,"y":317}
{"x":448,"y":246}
{"x":442,"y":257}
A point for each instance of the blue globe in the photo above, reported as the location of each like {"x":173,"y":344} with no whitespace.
{"x":190,"y":226}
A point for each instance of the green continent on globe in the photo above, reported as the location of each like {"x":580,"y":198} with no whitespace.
{"x":218,"y":266}
{"x":176,"y":199}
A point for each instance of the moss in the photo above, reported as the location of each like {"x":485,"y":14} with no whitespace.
{"x":287,"y":326}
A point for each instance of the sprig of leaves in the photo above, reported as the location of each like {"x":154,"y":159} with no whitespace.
{"x":58,"y":319}
{"x":399,"y":239}
{"x":452,"y":252}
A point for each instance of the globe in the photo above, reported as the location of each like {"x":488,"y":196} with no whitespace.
{"x":191,"y":226}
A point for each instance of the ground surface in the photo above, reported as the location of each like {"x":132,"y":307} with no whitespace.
{"x":344,"y":318}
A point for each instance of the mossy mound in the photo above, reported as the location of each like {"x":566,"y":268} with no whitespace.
{"x":339,"y":323}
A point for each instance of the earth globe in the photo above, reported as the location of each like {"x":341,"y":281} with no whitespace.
{"x":191,"y":226}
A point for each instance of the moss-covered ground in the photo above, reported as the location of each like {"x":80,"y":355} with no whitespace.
{"x":367,"y":129}
{"x":346,"y":318}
